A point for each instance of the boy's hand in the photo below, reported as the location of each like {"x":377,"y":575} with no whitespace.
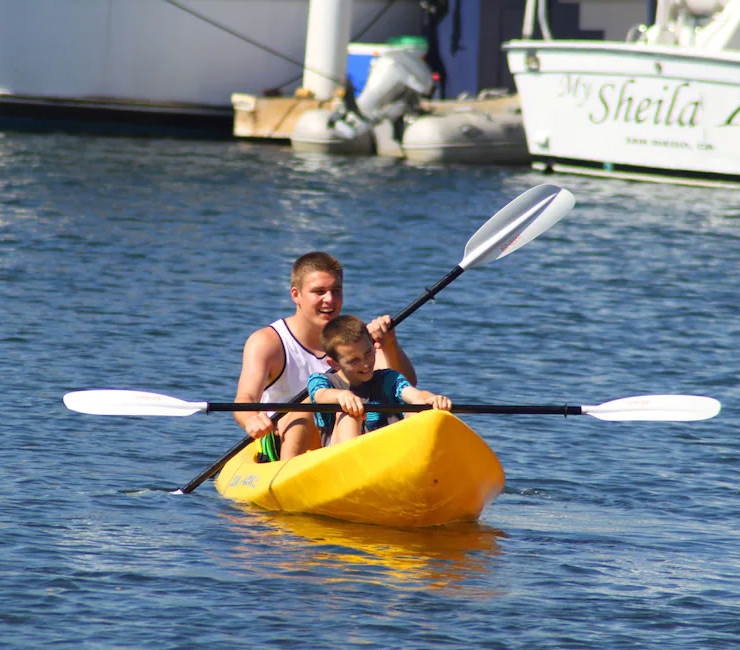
{"x":350,"y":403}
{"x":441,"y":402}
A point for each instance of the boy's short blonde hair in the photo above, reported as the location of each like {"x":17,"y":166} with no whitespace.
{"x":342,"y":330}
{"x":311,"y":262}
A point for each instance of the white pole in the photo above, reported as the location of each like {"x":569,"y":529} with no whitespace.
{"x":326,"y":46}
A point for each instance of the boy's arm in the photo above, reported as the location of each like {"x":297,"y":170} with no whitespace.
{"x":349,"y":402}
{"x":412,"y":395}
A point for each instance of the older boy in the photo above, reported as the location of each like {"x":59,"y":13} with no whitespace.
{"x":351,"y":354}
{"x":278,"y":359}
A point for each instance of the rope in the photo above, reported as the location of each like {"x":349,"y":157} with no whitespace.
{"x":270,"y":50}
{"x":246,"y":39}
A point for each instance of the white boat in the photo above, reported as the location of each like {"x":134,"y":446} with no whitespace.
{"x":166,"y":63}
{"x":663,"y":105}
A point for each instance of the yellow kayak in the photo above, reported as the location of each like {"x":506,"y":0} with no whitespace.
{"x":426,"y":470}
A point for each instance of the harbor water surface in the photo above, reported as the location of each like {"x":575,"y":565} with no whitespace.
{"x":145,"y":263}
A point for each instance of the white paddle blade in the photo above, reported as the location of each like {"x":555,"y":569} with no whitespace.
{"x":668,"y":408}
{"x":518,"y":223}
{"x":130,"y":402}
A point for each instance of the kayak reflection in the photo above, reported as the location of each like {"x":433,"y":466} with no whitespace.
{"x":325,"y":550}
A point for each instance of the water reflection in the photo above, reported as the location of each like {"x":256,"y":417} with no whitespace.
{"x":316,"y":549}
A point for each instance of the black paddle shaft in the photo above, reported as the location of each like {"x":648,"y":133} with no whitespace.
{"x":426,"y":296}
{"x":287,"y":407}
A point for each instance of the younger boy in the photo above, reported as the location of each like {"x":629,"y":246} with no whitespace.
{"x":351,"y":354}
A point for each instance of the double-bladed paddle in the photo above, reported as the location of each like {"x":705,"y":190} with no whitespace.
{"x":666,"y":408}
{"x":513,"y":226}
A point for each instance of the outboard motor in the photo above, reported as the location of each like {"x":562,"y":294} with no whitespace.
{"x":394,"y":85}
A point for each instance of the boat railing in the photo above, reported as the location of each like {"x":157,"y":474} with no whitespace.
{"x":637,"y":34}
{"x":536,"y":10}
{"x":710,"y":25}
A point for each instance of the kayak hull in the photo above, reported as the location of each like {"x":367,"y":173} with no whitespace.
{"x":427,"y":470}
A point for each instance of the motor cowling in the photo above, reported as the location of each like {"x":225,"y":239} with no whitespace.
{"x":395,"y":83}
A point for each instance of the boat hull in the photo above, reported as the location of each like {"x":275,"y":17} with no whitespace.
{"x":630,"y":110}
{"x":427,"y":470}
{"x":134,"y":62}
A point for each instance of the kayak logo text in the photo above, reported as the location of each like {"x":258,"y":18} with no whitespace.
{"x":250,"y":481}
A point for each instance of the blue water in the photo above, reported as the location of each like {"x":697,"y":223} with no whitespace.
{"x":144,"y":264}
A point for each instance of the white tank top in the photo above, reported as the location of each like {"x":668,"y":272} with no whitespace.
{"x":299,"y":364}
